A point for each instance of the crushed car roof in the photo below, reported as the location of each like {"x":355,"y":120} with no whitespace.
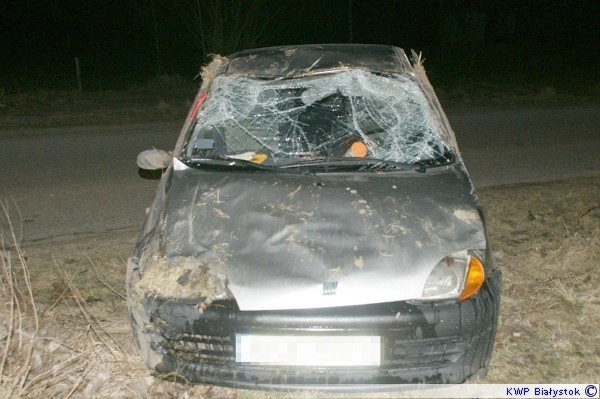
{"x":287,"y":61}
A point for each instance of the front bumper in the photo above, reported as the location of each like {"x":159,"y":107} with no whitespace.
{"x":444,"y":342}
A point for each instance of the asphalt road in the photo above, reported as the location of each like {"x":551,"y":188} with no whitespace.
{"x":76,"y":180}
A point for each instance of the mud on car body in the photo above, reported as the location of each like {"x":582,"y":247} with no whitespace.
{"x":315,"y":227}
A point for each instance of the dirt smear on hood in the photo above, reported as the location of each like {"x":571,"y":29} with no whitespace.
{"x":546,"y":241}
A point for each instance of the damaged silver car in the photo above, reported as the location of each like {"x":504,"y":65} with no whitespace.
{"x":315,"y":227}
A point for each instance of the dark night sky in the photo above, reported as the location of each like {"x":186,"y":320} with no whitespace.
{"x":114,"y":39}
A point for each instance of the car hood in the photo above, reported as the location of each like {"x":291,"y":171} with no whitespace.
{"x":289,"y":241}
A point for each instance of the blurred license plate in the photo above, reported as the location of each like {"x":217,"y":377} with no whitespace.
{"x":308,"y":350}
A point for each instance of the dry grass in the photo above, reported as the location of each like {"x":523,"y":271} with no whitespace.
{"x":19,"y":315}
{"x":44,"y":354}
{"x":550,"y":315}
{"x":547,"y":243}
{"x":36,"y":361}
{"x":64,"y":330}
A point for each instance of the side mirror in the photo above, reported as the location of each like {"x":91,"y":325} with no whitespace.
{"x":153,"y":159}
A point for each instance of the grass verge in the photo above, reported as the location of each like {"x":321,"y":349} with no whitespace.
{"x":546,"y":239}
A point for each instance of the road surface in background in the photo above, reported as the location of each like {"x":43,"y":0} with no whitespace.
{"x":84,"y":179}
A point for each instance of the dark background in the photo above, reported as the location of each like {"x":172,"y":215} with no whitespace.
{"x":123,"y":42}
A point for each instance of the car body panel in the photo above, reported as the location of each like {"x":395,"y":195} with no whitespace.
{"x":311,"y":59}
{"x":279,"y":238}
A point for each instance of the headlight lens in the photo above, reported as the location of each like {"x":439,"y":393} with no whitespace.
{"x":459,"y":275}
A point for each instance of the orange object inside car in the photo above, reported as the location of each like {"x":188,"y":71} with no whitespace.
{"x":358,"y":149}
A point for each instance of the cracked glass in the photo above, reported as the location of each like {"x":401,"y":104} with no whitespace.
{"x":337,"y":114}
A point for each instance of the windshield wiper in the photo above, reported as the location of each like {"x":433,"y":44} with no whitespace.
{"x":361,"y":164}
{"x":371,"y":164}
{"x":225,"y":162}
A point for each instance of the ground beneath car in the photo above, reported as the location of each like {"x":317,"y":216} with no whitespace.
{"x":74,"y":340}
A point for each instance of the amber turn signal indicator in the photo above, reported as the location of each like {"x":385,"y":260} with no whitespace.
{"x":474,"y":281}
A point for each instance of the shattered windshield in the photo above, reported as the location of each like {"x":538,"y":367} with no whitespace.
{"x":348,"y":114}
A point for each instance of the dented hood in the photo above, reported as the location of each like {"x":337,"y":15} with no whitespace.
{"x":288,"y":241}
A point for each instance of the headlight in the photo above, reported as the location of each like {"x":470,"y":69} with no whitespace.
{"x":459,"y":275}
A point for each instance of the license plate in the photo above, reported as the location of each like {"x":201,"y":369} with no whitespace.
{"x":300,"y":350}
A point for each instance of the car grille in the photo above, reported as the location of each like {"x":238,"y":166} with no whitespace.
{"x":197,"y":348}
{"x":398,"y":353}
{"x":427,"y":352}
